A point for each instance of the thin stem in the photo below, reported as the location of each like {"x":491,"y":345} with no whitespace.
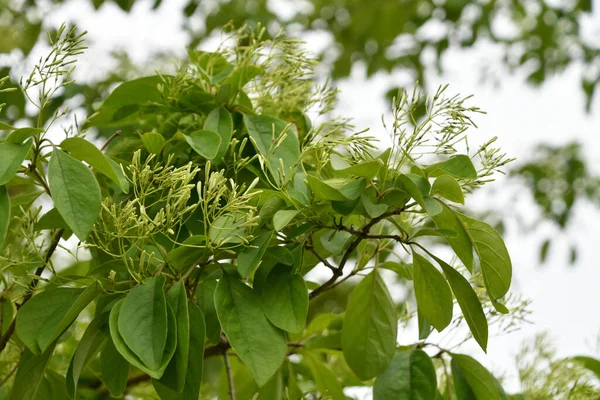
{"x":110,"y":139}
{"x":229,"y":376}
{"x":7,"y":377}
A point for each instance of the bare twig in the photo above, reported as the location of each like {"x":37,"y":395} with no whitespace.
{"x":110,"y":139}
{"x":229,"y":376}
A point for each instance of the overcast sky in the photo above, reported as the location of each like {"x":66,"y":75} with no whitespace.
{"x":564,"y":298}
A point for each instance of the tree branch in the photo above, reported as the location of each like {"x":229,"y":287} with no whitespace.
{"x":229,"y":376}
{"x":32,"y":285}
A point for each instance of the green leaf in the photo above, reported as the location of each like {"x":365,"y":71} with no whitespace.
{"x":374,"y":210}
{"x":461,"y":243}
{"x":264,"y":130}
{"x":447,"y":187}
{"x":459,"y":166}
{"x":219,"y":120}
{"x":461,"y":386}
{"x":334,"y":241}
{"x":433,"y":232}
{"x":494,"y":259}
{"x":411,"y":375}
{"x":143,"y":321}
{"x":48,"y":314}
{"x":193,"y":377}
{"x":324,"y":191}
{"x":480,"y":380}
{"x":418,"y":188}
{"x":251,"y":255}
{"x":92,"y":340}
{"x":12,"y":156}
{"x":260,"y":346}
{"x":6,"y":127}
{"x":205,"y":143}
{"x":370,"y":329}
{"x":30,"y":374}
{"x":123,"y":181}
{"x":174,"y":376}
{"x":22,"y":134}
{"x":353,"y":189}
{"x":227,"y":228}
{"x":367,"y":169}
{"x":282,"y":218}
{"x":153,"y":141}
{"x":433,"y":294}
{"x":240,"y":76}
{"x":589,"y":363}
{"x":205,"y":294}
{"x":285,"y":299}
{"x":469,"y":303}
{"x":4,"y":213}
{"x":325,"y":379}
{"x":185,"y":255}
{"x":402,"y":269}
{"x":114,"y":369}
{"x":129,"y":355}
{"x":75,"y":192}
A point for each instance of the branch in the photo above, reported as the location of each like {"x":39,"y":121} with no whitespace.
{"x":229,"y":376}
{"x":110,"y":139}
{"x":32,"y":285}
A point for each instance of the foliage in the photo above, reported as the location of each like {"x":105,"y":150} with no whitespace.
{"x":222,"y":190}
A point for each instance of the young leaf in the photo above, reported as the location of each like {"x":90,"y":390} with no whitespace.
{"x":434,"y":298}
{"x":367,"y":169}
{"x":48,"y":314}
{"x":447,"y":187}
{"x":374,"y":210}
{"x":22,"y":134}
{"x":459,"y":166}
{"x":469,"y":303}
{"x":282,"y":218}
{"x":285,"y":299}
{"x":205,"y":143}
{"x":75,"y":192}
{"x":260,"y":346}
{"x":325,"y":379}
{"x":370,"y":329}
{"x":153,"y":141}
{"x":92,"y":340}
{"x":30,"y":374}
{"x":323,"y":190}
{"x":205,"y":294}
{"x":480,"y":380}
{"x":193,"y":377}
{"x":411,"y":375}
{"x":12,"y":156}
{"x":174,"y":376}
{"x":4,"y":213}
{"x":251,"y":255}
{"x":264,"y":130}
{"x":219,"y":120}
{"x":143,"y":321}
{"x":334,"y":241}
{"x":114,"y":369}
{"x":83,"y":150}
{"x":494,"y":259}
{"x":461,"y":242}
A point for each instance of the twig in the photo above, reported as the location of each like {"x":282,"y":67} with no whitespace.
{"x":38,"y":273}
{"x":229,"y":376}
{"x":7,"y":377}
{"x":110,"y":139}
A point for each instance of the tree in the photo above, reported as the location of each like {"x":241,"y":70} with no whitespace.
{"x":220,"y":188}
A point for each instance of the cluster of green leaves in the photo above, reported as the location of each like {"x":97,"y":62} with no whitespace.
{"x":204,"y":212}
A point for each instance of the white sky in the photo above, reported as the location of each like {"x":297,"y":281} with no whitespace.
{"x":564,"y":298}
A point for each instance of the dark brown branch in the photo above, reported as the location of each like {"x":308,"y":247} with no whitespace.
{"x":110,"y":139}
{"x":32,"y":285}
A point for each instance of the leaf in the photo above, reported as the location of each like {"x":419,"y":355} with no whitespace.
{"x":83,"y":150}
{"x":461,"y":386}
{"x":325,"y":379}
{"x":459,"y":166}
{"x":4,"y":213}
{"x":22,"y":134}
{"x":219,"y":120}
{"x":589,"y":363}
{"x":75,"y":192}
{"x":205,"y":143}
{"x":434,"y":232}
{"x":411,"y":375}
{"x":282,"y":218}
{"x":6,"y":127}
{"x":418,"y":188}
{"x":334,"y":241}
{"x":12,"y":156}
{"x":193,"y":377}
{"x":285,"y":299}
{"x":461,"y":242}
{"x":48,"y":314}
{"x":153,"y":141}
{"x":129,"y":355}
{"x":323,"y":191}
{"x":242,"y":75}
{"x":494,"y":259}
{"x":260,"y":346}
{"x":174,"y":376}
{"x":264,"y":130}
{"x":205,"y":294}
{"x":370,"y":329}
{"x":123,"y":181}
{"x":374,"y":210}
{"x":251,"y":255}
{"x":469,"y":303}
{"x":402,"y":269}
{"x":353,"y":189}
{"x":447,"y":187}
{"x":185,"y":255}
{"x":92,"y":340}
{"x":434,"y":298}
{"x":30,"y":374}
{"x":480,"y":380}
{"x":143,"y":321}
{"x":228,"y":228}
{"x":114,"y":369}
{"x":367,"y":169}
